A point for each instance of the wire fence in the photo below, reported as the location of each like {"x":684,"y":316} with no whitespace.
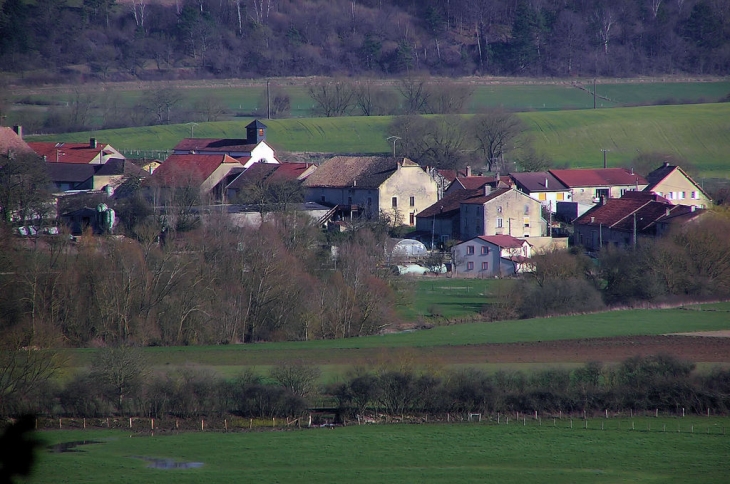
{"x":620,"y":422}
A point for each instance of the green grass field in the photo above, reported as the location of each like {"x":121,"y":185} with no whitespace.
{"x":514,"y":94}
{"x":432,"y":453}
{"x":445,"y":299}
{"x":337,"y":356}
{"x":699,"y":133}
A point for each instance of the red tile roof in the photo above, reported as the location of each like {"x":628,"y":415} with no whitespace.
{"x":598,"y":177}
{"x":187,"y":170}
{"x":10,"y":141}
{"x":68,"y":152}
{"x":367,"y":172}
{"x":612,"y":212}
{"x":480,"y":198}
{"x":506,"y":241}
{"x":451,"y":203}
{"x":473,"y":182}
{"x":538,"y":181}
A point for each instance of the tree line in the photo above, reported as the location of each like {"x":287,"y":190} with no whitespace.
{"x":143,"y":39}
{"x":120,"y":382}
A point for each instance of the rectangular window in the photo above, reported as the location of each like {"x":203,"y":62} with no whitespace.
{"x":485,"y":250}
{"x":370,"y":201}
{"x":682,"y":195}
{"x":527,"y":209}
{"x":695,"y":195}
{"x":527,"y":222}
{"x":469,"y":266}
{"x":541,"y":196}
{"x":412,"y":219}
{"x":323,"y":198}
{"x":485,"y":266}
{"x":499,"y":223}
{"x":412,"y":201}
{"x":394,"y":202}
{"x":469,"y":250}
{"x":559,"y":197}
{"x":602,"y":192}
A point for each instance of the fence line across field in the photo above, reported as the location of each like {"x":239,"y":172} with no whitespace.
{"x":623,"y":422}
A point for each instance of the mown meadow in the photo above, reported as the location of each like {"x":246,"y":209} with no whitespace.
{"x":656,"y":450}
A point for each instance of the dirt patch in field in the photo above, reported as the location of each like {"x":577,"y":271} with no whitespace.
{"x":725,"y":333}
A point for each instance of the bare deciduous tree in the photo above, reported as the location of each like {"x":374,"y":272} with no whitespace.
{"x":332,"y":98}
{"x":496,"y":133}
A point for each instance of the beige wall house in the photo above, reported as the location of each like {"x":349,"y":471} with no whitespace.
{"x":672,"y":183}
{"x":501,"y":212}
{"x":370,"y":186}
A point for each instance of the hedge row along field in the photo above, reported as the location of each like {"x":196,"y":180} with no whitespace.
{"x":699,"y":133}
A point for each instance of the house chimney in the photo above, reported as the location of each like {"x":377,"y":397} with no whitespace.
{"x":92,"y":143}
{"x":546,"y":182}
{"x":487,"y":189}
{"x":668,"y":211}
{"x":593,"y":219}
{"x":18,"y":130}
{"x":666,"y":164}
{"x":468,"y":170}
{"x":693,"y":208}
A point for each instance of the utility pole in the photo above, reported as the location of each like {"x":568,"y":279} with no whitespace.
{"x":394,"y":138}
{"x":594,"y":93}
{"x":634,"y":230}
{"x":268,"y":100}
{"x":604,"y":157}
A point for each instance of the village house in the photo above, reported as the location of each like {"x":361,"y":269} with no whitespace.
{"x":464,"y":214}
{"x":371,"y":187}
{"x":253,"y":149}
{"x":209,"y":175}
{"x":501,"y":212}
{"x":673,"y":183}
{"x":543,"y":187}
{"x":264,"y":175}
{"x":11,"y":141}
{"x":625,"y":221}
{"x":91,"y":153}
{"x":491,"y":256}
{"x":588,"y":186}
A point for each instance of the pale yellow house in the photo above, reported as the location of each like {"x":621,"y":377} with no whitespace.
{"x":672,"y":183}
{"x":357,"y":186}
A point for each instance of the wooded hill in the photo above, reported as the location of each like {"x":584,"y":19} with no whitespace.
{"x":71,"y":40}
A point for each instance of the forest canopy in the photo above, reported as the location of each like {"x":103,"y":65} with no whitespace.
{"x":154,"y":39}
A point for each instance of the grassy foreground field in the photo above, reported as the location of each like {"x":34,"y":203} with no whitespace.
{"x":432,"y":453}
{"x":699,"y":133}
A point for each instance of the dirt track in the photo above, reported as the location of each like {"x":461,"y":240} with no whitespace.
{"x":692,"y":348}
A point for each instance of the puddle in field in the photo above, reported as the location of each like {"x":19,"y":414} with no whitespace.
{"x":171,"y":464}
{"x":71,"y":446}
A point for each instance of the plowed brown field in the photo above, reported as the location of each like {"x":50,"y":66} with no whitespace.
{"x":692,"y":348}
